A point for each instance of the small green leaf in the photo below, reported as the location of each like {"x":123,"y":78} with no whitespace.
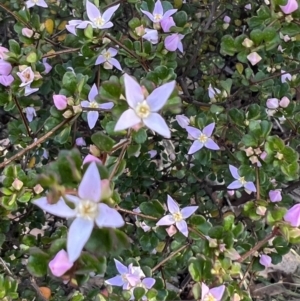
{"x":228,"y":45}
{"x":138,"y":293}
{"x":37,"y":264}
{"x":180,"y":18}
{"x":103,"y":142}
{"x":140,"y":136}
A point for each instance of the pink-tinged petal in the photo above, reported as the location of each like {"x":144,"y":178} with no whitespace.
{"x":121,"y":268}
{"x":166,"y":23}
{"x":169,"y":13}
{"x":235,"y":185}
{"x":60,"y":263}
{"x":133,"y":280}
{"x":60,"y":209}
{"x":5,"y":67}
{"x":85,"y":104}
{"x":265,"y":260}
{"x":211,"y":144}
{"x":275,"y":195}
{"x":29,"y":4}
{"x":93,"y":93}
{"x":180,"y":46}
{"x":293,"y":216}
{"x":290,"y":7}
{"x":234,"y":172}
{"x":112,"y":51}
{"x":47,"y":66}
{"x":71,"y":29}
{"x":90,"y":185}
{"x":218,"y":292}
{"x":148,"y":282}
{"x":91,"y":158}
{"x":127,"y":120}
{"x":284,"y":102}
{"x":158,"y":98}
{"x":254,"y":58}
{"x":207,"y":131}
{"x":92,"y":117}
{"x":171,"y":42}
{"x":157,"y":124}
{"x":272,"y":103}
{"x":42,"y":3}
{"x":60,"y":101}
{"x":92,"y":11}
{"x":6,"y":80}
{"x":204,"y":290}
{"x":158,"y":9}
{"x":109,"y":12}
{"x":107,"y":25}
{"x":28,"y":90}
{"x":182,"y":227}
{"x":78,"y":235}
{"x":133,"y":91}
{"x":151,"y":35}
{"x":106,"y":105}
{"x":149,"y":15}
{"x":115,"y":63}
{"x":84,"y":24}
{"x":117,"y":281}
{"x":250,"y":186}
{"x":188,"y":211}
{"x":100,"y":60}
{"x":172,"y":205}
{"x":109,"y":217}
{"x":196,"y":146}
{"x":195,"y":133}
{"x":167,"y":220}
{"x":183,"y":121}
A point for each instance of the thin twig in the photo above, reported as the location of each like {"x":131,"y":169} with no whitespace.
{"x":136,"y":213}
{"x":28,"y":130}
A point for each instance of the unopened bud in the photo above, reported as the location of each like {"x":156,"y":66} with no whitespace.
{"x":140,"y":30}
{"x":70,"y":101}
{"x":68,"y":114}
{"x":247,"y":43}
{"x":17,"y":184}
{"x":26,"y":32}
{"x":77,"y":109}
{"x":94,"y":150}
{"x":38,"y":189}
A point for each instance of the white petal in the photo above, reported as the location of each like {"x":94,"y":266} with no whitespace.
{"x":93,"y":93}
{"x":108,"y":217}
{"x":156,"y":123}
{"x":166,"y":221}
{"x":60,"y":209}
{"x":90,"y":186}
{"x":109,"y":12}
{"x":78,"y":235}
{"x":172,"y":205}
{"x":133,"y":91}
{"x":92,"y":117}
{"x":127,"y":120}
{"x":92,"y":11}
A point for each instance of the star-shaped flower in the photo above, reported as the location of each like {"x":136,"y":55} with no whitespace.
{"x":177,"y":216}
{"x":202,"y":138}
{"x":92,"y":116}
{"x":158,"y":13}
{"x":107,"y":57}
{"x":240,"y":181}
{"x":144,"y":109}
{"x":31,"y":3}
{"x":213,"y":294}
{"x":87,"y":211}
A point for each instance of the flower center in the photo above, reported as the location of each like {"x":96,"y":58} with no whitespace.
{"x":87,"y":209}
{"x":94,"y":105}
{"x":177,"y":216}
{"x":242,"y":180}
{"x":209,"y":297}
{"x":142,"y":109}
{"x":107,"y":55}
{"x":202,"y":138}
{"x":157,"y":17}
{"x":26,"y":74}
{"x":99,"y":21}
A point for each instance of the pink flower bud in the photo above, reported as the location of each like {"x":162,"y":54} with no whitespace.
{"x":60,"y":102}
{"x":265,"y":260}
{"x":290,"y":7}
{"x":80,"y":142}
{"x":263,"y":155}
{"x":2,"y":52}
{"x":275,"y":195}
{"x":171,"y":230}
{"x":91,"y":158}
{"x":284,"y":102}
{"x":106,"y":191}
{"x":17,"y":184}
{"x":182,"y":120}
{"x":254,"y":58}
{"x":227,"y":19}
{"x":167,"y":23}
{"x":60,"y":263}
{"x":26,"y":32}
{"x":272,"y":103}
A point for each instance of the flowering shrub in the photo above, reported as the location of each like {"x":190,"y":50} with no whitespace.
{"x":151,"y":146}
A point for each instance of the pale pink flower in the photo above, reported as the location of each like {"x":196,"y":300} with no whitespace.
{"x":213,"y":294}
{"x":173,"y":42}
{"x":31,"y":3}
{"x":158,"y":14}
{"x":3,"y":50}
{"x":272,"y":103}
{"x":151,"y":35}
{"x":27,"y":32}
{"x":240,"y":181}
{"x":60,"y":101}
{"x":90,"y":158}
{"x":167,"y":23}
{"x":26,"y":76}
{"x":275,"y":195}
{"x":293,"y":216}
{"x":265,"y":260}
{"x":290,"y":7}
{"x":107,"y":58}
{"x":254,"y":58}
{"x":60,"y":264}
{"x":284,"y":102}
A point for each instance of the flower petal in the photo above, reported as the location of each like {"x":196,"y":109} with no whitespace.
{"x":107,"y":25}
{"x":234,"y":172}
{"x":92,"y":11}
{"x":158,"y":98}
{"x":79,"y":233}
{"x":112,"y":51}
{"x":171,"y":42}
{"x":218,"y":292}
{"x":156,"y":123}
{"x":265,"y":260}
{"x":100,"y":60}
{"x":188,"y":211}
{"x":122,"y":269}
{"x":148,"y":282}
{"x":204,"y":290}
{"x":182,"y":227}
{"x":235,"y":185}
{"x":127,"y":120}
{"x":195,"y":133}
{"x":166,"y":221}
{"x":106,"y":105}
{"x":211,"y":144}
{"x":115,"y":63}
{"x":109,"y":12}
{"x":250,"y":186}
{"x":133,"y":91}
{"x":60,"y":263}
{"x":207,"y":131}
{"x":169,"y":13}
{"x":180,"y":46}
{"x":117,"y":281}
{"x":92,"y":117}
{"x":196,"y":146}
{"x":90,"y":185}
{"x":149,"y":15}
{"x":60,"y":209}
{"x":42,"y":3}
{"x":85,"y":104}
{"x":293,"y":216}
{"x":172,"y":205}
{"x":93,"y":93}
{"x":158,"y":8}
{"x":109,"y":217}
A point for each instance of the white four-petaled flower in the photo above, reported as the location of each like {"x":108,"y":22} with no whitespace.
{"x":240,"y":181}
{"x":87,"y":211}
{"x":31,"y":3}
{"x":158,"y":13}
{"x":107,"y":57}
